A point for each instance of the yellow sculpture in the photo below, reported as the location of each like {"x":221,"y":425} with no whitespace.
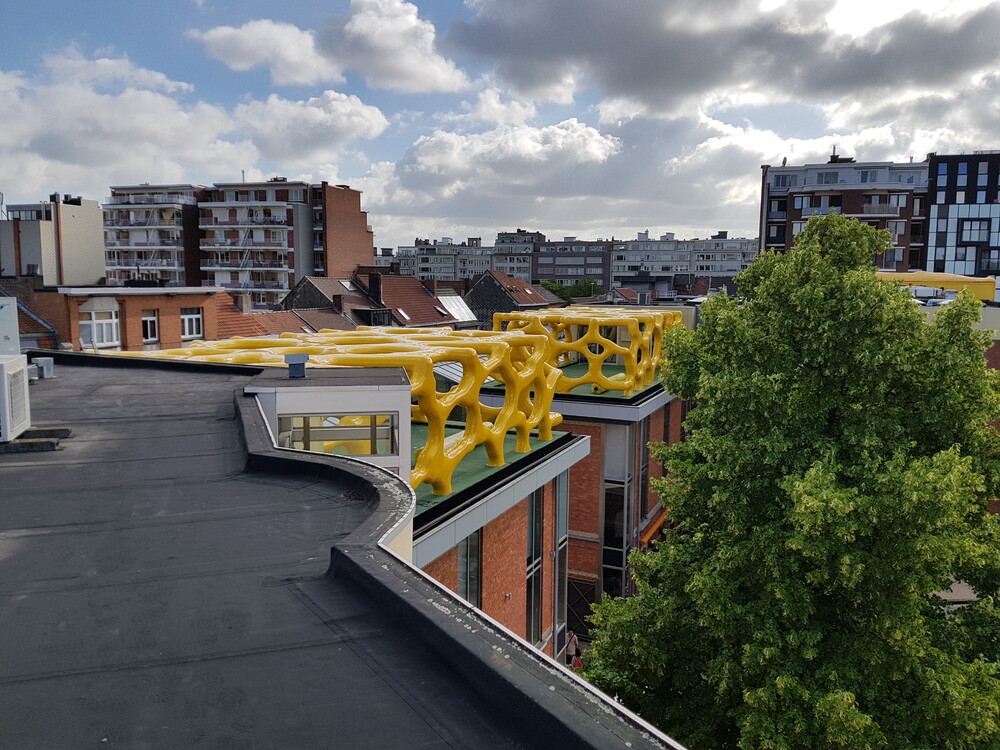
{"x":627,"y":336}
{"x":520,"y":361}
{"x":524,"y":354}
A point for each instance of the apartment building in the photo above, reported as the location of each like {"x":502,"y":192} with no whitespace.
{"x":254,"y":239}
{"x":573,"y":260}
{"x":963,"y":234}
{"x":151,"y":235}
{"x":256,"y":235}
{"x":886,"y":195}
{"x":58,"y":240}
{"x":444,"y":259}
{"x":512,"y":252}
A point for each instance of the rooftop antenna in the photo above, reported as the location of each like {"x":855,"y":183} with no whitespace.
{"x":243,"y":175}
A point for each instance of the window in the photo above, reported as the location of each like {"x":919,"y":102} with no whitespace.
{"x":897,"y":199}
{"x":785,"y":180}
{"x":150,"y":326}
{"x":99,"y":330}
{"x":797,"y":226}
{"x":533,"y":589}
{"x":976,"y":230}
{"x":470,"y":564}
{"x":980,"y":196}
{"x":827,"y":178}
{"x":869,"y":175}
{"x":942,"y":169}
{"x":897,"y":229}
{"x":341,"y":434}
{"x":191,"y":327}
{"x":959,"y":196}
{"x":562,"y":551}
{"x":801,"y":201}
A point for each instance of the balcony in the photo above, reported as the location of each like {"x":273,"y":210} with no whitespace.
{"x":230,"y":243}
{"x":173,"y":263}
{"x":149,"y":199}
{"x":777,"y":214}
{"x":147,"y":243}
{"x":250,"y":285}
{"x":244,"y":221}
{"x":153,"y":221}
{"x":209,"y":264}
{"x":879,"y":209}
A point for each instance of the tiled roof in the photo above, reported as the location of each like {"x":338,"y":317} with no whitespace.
{"x":523,"y":294}
{"x":232,"y":322}
{"x":629,"y":294}
{"x":326,"y":317}
{"x":351,"y":299}
{"x":279,"y":321}
{"x":550,"y":297}
{"x":26,"y":323}
{"x":411,"y":304}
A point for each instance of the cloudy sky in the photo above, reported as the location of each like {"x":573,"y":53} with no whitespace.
{"x":585,"y":117}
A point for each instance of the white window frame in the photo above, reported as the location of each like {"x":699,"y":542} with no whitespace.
{"x":192,"y":323}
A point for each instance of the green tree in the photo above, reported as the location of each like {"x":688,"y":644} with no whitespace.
{"x":583,"y":288}
{"x":556,"y":288}
{"x":834,"y":481}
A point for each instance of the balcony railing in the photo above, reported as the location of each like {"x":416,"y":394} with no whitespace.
{"x":141,"y":199}
{"x":879,"y":209}
{"x":777,"y":214}
{"x":148,"y":243}
{"x":209,"y":243}
{"x":158,"y":263}
{"x":152,"y":222}
{"x":265,"y":285}
{"x":264,"y":221}
{"x":210,"y":264}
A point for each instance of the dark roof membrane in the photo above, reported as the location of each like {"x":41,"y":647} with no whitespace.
{"x":167,"y":583}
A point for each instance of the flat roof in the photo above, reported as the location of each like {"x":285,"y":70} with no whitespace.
{"x":172,"y":581}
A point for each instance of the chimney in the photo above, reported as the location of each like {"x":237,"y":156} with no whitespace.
{"x":375,"y":288}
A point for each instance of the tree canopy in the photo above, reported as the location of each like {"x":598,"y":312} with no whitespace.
{"x":584,"y":288}
{"x":834,"y":482}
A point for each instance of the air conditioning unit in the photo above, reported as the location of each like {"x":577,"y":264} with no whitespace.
{"x":15,"y":412}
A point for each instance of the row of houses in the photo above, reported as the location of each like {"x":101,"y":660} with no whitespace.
{"x":659,"y":267}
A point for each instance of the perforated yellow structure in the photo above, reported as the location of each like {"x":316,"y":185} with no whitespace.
{"x":631,"y":337}
{"x":518,"y":360}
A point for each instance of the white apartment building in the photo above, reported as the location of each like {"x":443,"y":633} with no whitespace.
{"x":255,"y":237}
{"x":669,"y":266}
{"x":444,"y":260}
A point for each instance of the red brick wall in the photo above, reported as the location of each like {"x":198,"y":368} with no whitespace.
{"x":444,"y":569}
{"x":349,"y":243}
{"x":505,"y":551}
{"x":586,"y":481}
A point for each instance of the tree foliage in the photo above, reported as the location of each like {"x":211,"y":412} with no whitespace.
{"x":583,"y":288}
{"x":833,"y":483}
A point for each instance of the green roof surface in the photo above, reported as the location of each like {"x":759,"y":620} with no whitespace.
{"x":471,"y":469}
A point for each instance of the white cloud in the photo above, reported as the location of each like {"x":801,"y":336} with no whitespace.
{"x":490,"y":108}
{"x":71,"y":67}
{"x":392,"y":48}
{"x":297,"y":133}
{"x":290,"y":52}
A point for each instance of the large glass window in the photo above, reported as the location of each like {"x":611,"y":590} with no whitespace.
{"x":470,"y":563}
{"x":533,"y":589}
{"x":976,"y":230}
{"x":562,"y":561}
{"x":343,"y":434}
{"x":99,"y":330}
